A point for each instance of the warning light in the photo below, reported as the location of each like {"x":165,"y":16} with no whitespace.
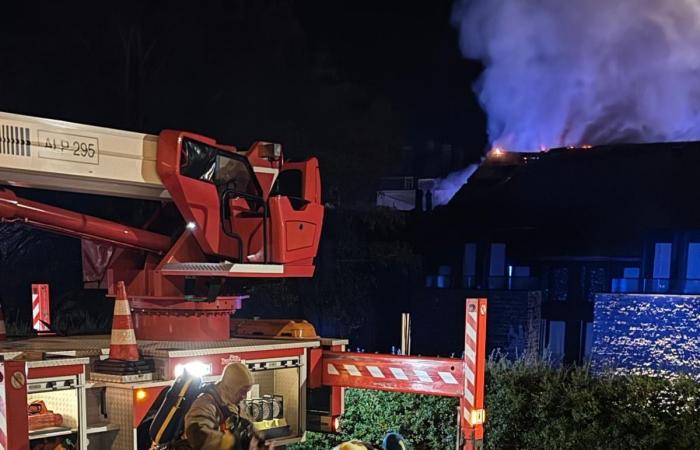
{"x":336,"y":424}
{"x":196,"y":368}
{"x":141,"y":394}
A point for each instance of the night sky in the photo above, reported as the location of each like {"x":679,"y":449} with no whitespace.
{"x":349,"y":81}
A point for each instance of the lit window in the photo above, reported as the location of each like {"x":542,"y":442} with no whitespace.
{"x":662,"y":260}
{"x":557,"y":339}
{"x":693,"y":267}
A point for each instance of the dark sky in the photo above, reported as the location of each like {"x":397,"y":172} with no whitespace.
{"x":408,"y":51}
{"x":259,"y":64}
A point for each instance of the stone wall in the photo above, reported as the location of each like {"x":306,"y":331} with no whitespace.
{"x":647,"y":333}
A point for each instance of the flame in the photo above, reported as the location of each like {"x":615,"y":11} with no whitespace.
{"x":497,"y":152}
{"x":579,"y":146}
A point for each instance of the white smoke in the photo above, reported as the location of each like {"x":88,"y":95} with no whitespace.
{"x":573,"y":72}
{"x":446,"y":188}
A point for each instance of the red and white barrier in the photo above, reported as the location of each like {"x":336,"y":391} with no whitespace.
{"x":41,"y":314}
{"x":449,"y":377}
{"x":472,"y":403}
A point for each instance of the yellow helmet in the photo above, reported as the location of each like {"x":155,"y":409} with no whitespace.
{"x":352,"y":445}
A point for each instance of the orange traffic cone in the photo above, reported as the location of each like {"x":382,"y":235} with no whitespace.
{"x":3,"y":332}
{"x":124,"y":361}
{"x":122,"y":346}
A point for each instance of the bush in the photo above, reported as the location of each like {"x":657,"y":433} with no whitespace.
{"x":531,"y":405}
{"x":428,"y":422}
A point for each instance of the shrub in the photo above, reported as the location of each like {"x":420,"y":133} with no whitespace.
{"x":428,"y":422}
{"x":531,"y":405}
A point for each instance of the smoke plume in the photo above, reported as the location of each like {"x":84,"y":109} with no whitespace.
{"x":575,"y":72}
{"x":446,"y":188}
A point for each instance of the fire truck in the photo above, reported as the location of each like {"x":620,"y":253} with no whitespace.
{"x":223,"y":214}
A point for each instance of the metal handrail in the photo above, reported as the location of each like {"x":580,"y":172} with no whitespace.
{"x":228,"y":193}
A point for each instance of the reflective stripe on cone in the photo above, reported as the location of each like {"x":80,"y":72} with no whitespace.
{"x":123,"y":343}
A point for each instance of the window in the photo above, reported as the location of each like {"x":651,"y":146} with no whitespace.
{"x":559,"y":284}
{"x":520,"y":271}
{"x":693,"y":268}
{"x":444,"y":277}
{"x":557,"y":339}
{"x":289,"y":184}
{"x":519,"y":277}
{"x":497,"y":263}
{"x":597,"y":282}
{"x":588,"y":340}
{"x":469,"y":265}
{"x":662,"y":260}
{"x":631,"y":272}
{"x":226,"y":170}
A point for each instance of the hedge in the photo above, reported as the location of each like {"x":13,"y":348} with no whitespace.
{"x":534,"y":406}
{"x":531,"y":405}
{"x":429,"y":422}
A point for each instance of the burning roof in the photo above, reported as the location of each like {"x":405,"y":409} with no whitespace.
{"x":587,"y":197}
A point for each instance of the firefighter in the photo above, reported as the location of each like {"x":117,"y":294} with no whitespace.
{"x":214,"y":421}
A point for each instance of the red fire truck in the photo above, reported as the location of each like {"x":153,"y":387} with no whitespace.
{"x":224,"y":214}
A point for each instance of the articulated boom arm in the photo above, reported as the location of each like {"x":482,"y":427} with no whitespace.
{"x":449,"y":377}
{"x":62,"y":221}
{"x":241,"y":213}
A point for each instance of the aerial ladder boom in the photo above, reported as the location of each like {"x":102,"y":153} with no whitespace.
{"x":63,"y":156}
{"x":62,"y":221}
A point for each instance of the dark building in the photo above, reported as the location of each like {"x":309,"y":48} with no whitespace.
{"x":563,"y":226}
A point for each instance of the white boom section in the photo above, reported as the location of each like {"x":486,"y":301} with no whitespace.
{"x":56,"y":155}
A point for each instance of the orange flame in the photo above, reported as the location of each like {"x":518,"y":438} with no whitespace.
{"x":497,"y":152}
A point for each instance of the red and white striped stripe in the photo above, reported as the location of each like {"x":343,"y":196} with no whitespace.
{"x":122,"y":345}
{"x":472,"y":403}
{"x":391,"y":373}
{"x":470,"y":351}
{"x":435,"y":376}
{"x":40,"y":307}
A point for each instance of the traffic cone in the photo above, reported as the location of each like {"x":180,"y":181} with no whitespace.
{"x":124,"y":358}
{"x":122,"y":346}
{"x":3,"y":332}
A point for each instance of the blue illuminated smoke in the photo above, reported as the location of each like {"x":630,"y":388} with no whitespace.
{"x":446,"y":188}
{"x":573,"y":72}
